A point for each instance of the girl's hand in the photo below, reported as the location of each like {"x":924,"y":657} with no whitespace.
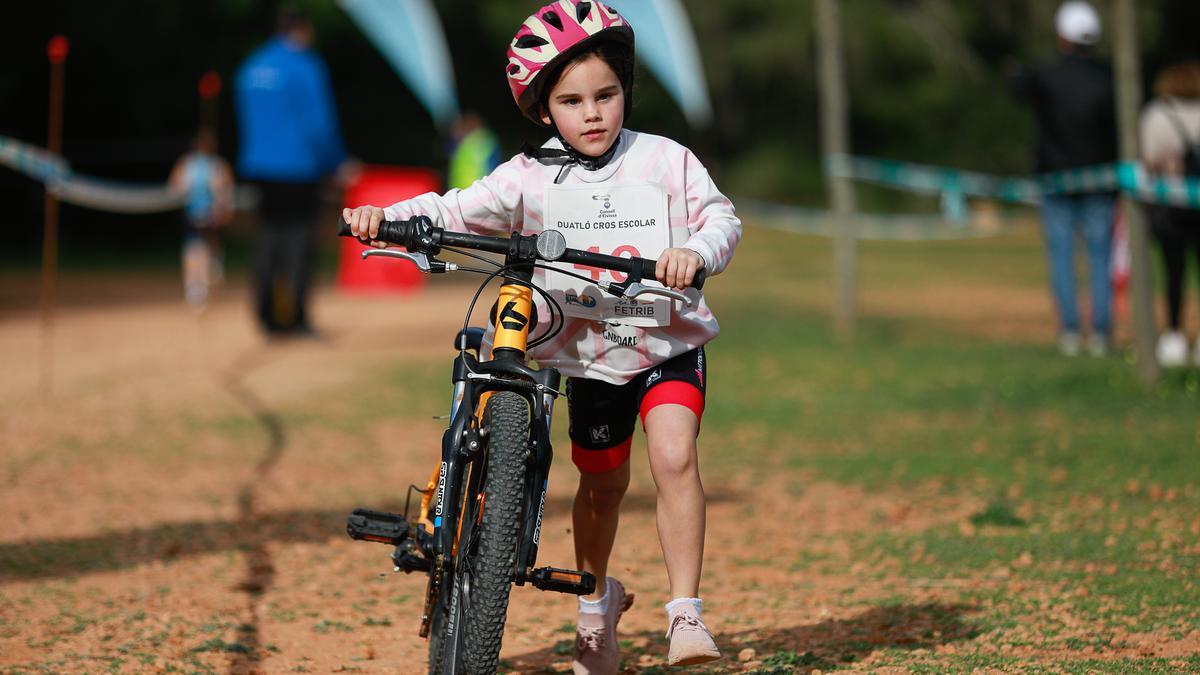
{"x":364,"y":223}
{"x":677,"y":267}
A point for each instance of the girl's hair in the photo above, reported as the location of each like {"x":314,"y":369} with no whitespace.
{"x":618,"y":57}
{"x":1180,"y":80}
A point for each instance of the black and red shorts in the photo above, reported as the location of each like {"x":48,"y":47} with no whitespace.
{"x":602,"y":415}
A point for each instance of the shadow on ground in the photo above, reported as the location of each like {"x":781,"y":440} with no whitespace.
{"x":50,"y":558}
{"x":821,"y":646}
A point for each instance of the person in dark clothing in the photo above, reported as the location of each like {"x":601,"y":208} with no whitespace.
{"x":289,"y":142}
{"x":1074,"y":108}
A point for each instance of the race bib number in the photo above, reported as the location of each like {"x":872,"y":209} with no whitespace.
{"x":628,"y":221}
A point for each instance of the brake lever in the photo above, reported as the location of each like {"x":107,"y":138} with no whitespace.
{"x":689,"y":297}
{"x":421,"y":260}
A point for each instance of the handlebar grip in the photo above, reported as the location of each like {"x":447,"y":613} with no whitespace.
{"x":648,"y":272}
{"x":396,"y":232}
{"x":648,"y":268}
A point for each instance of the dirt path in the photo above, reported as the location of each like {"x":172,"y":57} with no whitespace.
{"x":168,"y":508}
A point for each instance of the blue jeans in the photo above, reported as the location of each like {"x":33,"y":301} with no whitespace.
{"x":1092,"y":216}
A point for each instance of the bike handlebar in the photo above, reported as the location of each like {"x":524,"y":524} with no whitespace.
{"x":419,"y":235}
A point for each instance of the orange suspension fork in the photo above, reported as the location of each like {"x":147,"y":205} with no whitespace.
{"x":513,"y":313}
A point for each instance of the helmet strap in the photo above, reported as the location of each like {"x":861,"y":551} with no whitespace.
{"x":571,"y":155}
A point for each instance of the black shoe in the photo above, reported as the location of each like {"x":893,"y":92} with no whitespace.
{"x":305,"y":330}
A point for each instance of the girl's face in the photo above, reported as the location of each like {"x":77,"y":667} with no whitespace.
{"x":588,"y":106}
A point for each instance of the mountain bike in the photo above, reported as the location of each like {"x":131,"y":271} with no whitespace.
{"x":478,"y":527}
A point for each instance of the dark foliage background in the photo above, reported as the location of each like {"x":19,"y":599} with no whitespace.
{"x":926,"y":79}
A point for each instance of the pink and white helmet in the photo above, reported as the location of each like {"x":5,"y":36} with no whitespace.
{"x":553,"y":35}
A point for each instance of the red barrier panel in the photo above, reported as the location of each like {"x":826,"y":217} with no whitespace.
{"x":382,"y":186}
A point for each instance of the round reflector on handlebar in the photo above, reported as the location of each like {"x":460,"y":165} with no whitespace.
{"x":551,"y":244}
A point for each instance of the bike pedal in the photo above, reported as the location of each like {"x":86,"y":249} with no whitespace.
{"x":563,"y":581}
{"x":385,"y":528}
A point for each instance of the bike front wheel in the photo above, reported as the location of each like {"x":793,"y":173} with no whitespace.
{"x":486,"y":557}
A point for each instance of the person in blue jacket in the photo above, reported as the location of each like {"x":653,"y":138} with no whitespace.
{"x":289,"y":142}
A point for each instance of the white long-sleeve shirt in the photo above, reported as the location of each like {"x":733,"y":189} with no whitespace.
{"x":1163,"y":140}
{"x":512,"y":198}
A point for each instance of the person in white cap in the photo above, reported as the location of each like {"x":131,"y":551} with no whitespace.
{"x":1077,"y":23}
{"x":1073,"y":104}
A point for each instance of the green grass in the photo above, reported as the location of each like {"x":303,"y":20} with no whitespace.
{"x":950,"y":408}
{"x":917,"y":400}
{"x":1090,"y":482}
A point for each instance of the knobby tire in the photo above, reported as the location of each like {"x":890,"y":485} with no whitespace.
{"x":483,"y":573}
{"x":507,"y":418}
{"x":450,"y":593}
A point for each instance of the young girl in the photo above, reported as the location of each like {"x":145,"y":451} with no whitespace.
{"x":207,"y":182}
{"x":570,"y":68}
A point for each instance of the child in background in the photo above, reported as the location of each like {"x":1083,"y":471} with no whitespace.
{"x":474,"y":151}
{"x":570,"y":68}
{"x":206,"y":182}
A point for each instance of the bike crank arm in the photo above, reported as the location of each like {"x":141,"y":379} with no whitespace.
{"x":412,"y":545}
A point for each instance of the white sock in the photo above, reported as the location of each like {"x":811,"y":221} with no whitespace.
{"x":595,"y":606}
{"x":677,"y":603}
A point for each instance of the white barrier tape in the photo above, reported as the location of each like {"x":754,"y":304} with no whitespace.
{"x":868,"y":227}
{"x":116,"y":197}
{"x":1128,"y":177}
{"x":92,"y":193}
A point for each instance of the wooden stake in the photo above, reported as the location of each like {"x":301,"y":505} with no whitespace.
{"x":210,"y":89}
{"x":56,"y":50}
{"x":1129,"y":98}
{"x":835,"y":141}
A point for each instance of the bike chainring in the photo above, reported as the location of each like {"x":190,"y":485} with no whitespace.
{"x":435,"y":586}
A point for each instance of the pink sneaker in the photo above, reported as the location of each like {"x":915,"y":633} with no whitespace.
{"x":691,"y":641}
{"x":596,"y":648}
